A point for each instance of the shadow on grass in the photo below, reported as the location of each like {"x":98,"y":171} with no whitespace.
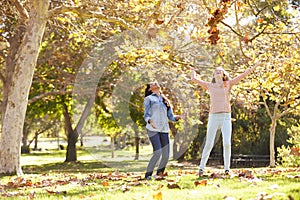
{"x":92,"y":166}
{"x":74,"y":167}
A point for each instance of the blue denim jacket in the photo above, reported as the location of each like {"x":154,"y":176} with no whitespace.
{"x":156,"y":110}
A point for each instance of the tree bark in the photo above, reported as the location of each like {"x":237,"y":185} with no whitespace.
{"x":137,"y":146}
{"x":72,"y":136}
{"x":272,"y":141}
{"x":112,"y":146}
{"x":17,"y":91}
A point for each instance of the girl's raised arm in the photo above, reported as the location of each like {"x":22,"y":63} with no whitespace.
{"x":194,"y":78}
{"x":243,"y":75}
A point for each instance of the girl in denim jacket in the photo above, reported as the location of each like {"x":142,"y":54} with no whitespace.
{"x":157,"y":113}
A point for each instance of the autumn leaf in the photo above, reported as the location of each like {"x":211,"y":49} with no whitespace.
{"x":216,"y":175}
{"x":221,"y":53}
{"x":245,"y":38}
{"x":201,"y":183}
{"x":246,"y":174}
{"x":159,"y":21}
{"x":157,"y":195}
{"x":260,"y":20}
{"x":105,"y":183}
{"x":56,"y":192}
{"x":239,"y":5}
{"x":173,"y":186}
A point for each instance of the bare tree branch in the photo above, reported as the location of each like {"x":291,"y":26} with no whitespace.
{"x":240,"y":35}
{"x":21,"y":9}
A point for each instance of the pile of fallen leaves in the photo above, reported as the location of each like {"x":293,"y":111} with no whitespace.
{"x":124,"y":182}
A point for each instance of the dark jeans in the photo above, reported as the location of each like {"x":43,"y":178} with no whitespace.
{"x":161,"y":150}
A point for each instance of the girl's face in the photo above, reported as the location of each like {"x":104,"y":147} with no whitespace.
{"x":218,"y":73}
{"x":154,"y":86}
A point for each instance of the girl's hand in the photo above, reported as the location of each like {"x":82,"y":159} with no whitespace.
{"x":178,"y":117}
{"x":193,"y":73}
{"x":151,"y":123}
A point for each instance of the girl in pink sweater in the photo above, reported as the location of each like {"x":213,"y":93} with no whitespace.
{"x":219,"y":113}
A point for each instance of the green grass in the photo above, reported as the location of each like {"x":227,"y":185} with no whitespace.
{"x":46,"y":176}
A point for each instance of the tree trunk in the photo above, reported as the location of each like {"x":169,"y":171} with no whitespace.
{"x":35,"y":141}
{"x":175,"y":142}
{"x":25,"y":146}
{"x":272,"y":141}
{"x":18,"y":90}
{"x":71,"y":155}
{"x":112,"y":146}
{"x":137,"y":147}
{"x":72,"y":136}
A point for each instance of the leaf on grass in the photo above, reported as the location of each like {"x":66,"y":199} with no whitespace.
{"x":56,"y":192}
{"x":158,"y":187}
{"x":246,"y":174}
{"x":173,"y":185}
{"x":125,"y":188}
{"x":134,"y":183}
{"x":105,"y":183}
{"x":201,"y":183}
{"x":157,"y":195}
{"x":12,"y":194}
{"x":296,"y":176}
{"x":216,"y":175}
{"x":19,"y":182}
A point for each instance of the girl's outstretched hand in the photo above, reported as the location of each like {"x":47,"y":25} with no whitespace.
{"x":193,"y":73}
{"x":178,"y":117}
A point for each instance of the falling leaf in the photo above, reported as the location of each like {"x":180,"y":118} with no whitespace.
{"x":239,"y":5}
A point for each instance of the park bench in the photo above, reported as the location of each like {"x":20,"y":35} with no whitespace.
{"x":241,"y":160}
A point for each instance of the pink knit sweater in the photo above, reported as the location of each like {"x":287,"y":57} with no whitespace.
{"x":220,"y":96}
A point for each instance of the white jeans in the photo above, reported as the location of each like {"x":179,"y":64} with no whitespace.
{"x":218,"y":121}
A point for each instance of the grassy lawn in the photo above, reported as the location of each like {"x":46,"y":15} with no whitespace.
{"x":98,"y":176}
